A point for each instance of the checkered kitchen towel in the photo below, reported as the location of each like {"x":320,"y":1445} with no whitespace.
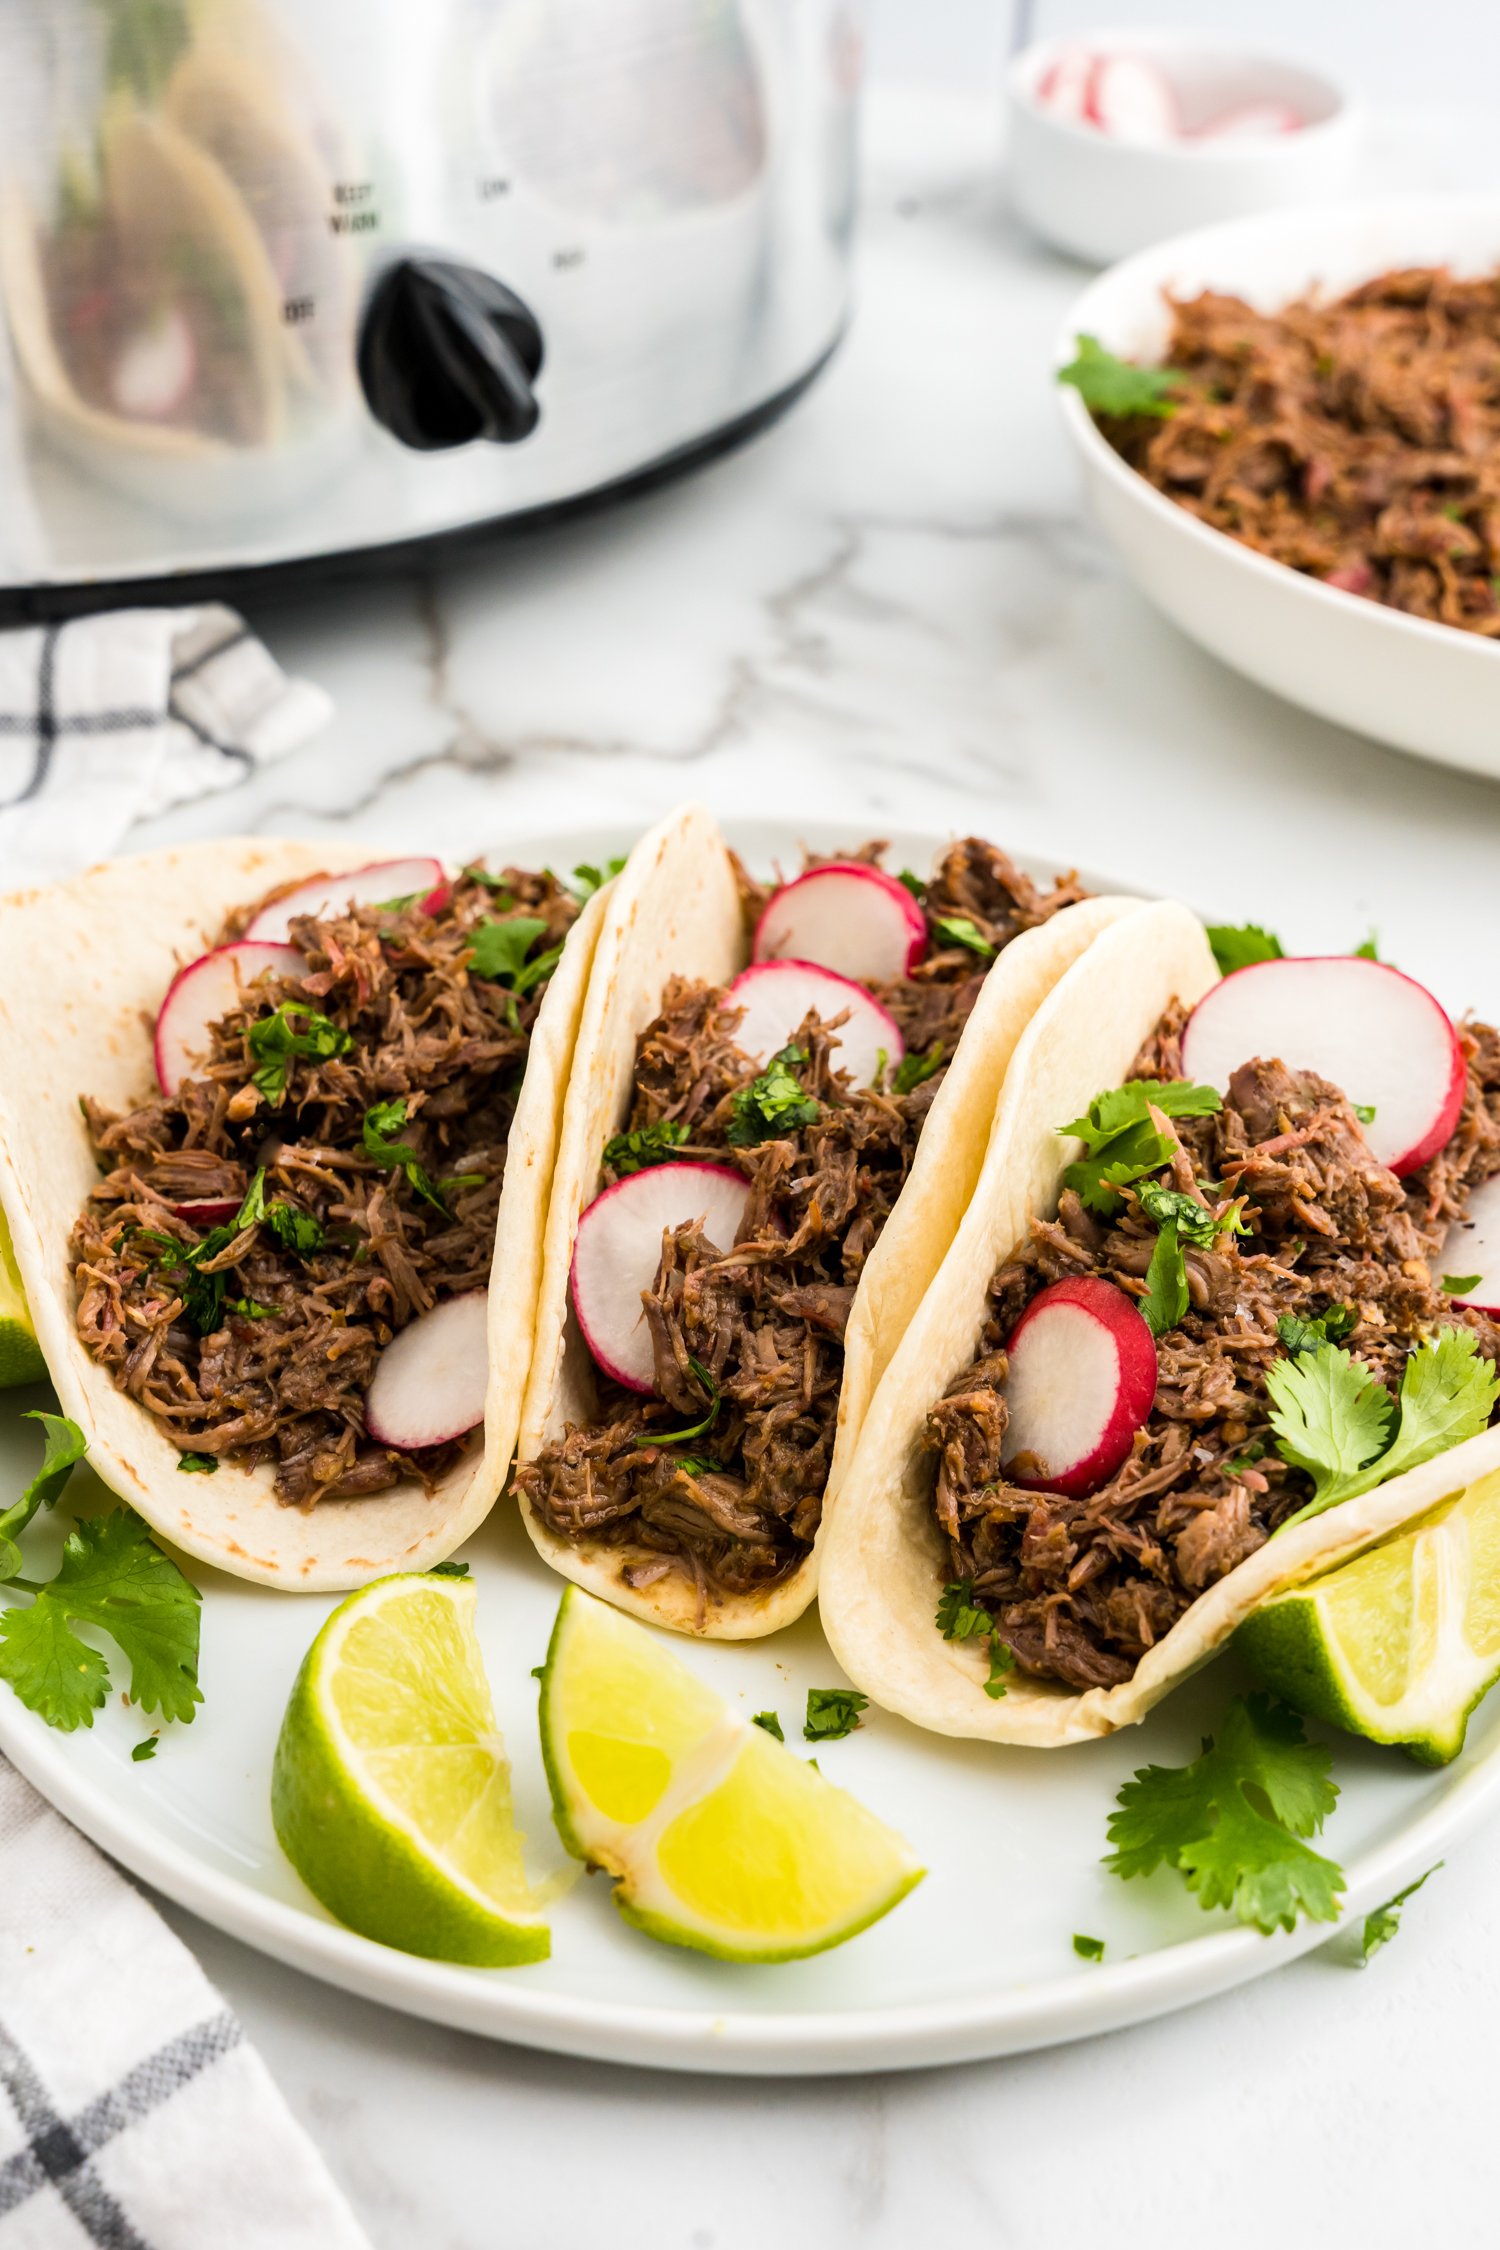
{"x":133,"y":2114}
{"x":105,"y":720}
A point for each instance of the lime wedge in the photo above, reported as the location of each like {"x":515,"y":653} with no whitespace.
{"x":1400,"y":1643}
{"x":20,"y":1360}
{"x":391,"y":1789}
{"x":720,"y":1838}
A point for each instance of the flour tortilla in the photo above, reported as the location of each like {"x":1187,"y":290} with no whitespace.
{"x":884,"y":1558}
{"x":676,"y":911}
{"x":83,"y":968}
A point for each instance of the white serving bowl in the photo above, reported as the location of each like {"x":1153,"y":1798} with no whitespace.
{"x":1427,"y":688}
{"x":1101,"y":197}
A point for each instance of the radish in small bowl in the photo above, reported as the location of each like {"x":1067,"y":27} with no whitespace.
{"x":203,"y":993}
{"x":775,"y":997}
{"x":619,"y":1249}
{"x":1082,"y":1381}
{"x":846,"y":916}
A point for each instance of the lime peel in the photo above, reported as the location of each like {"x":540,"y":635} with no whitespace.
{"x":719,"y":1837}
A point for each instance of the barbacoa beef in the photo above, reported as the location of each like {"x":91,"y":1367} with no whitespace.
{"x":1081,"y":1588}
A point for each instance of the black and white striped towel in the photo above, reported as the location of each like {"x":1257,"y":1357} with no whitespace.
{"x":133,"y":2114}
{"x":105,"y":720}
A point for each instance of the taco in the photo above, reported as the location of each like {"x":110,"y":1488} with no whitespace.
{"x":1204,"y":1332}
{"x":257,"y":1193}
{"x":781,"y":1106}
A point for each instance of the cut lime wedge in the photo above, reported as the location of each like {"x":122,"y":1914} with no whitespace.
{"x":20,"y":1359}
{"x":1400,"y":1643}
{"x":390,"y":1791}
{"x":720,"y":1838}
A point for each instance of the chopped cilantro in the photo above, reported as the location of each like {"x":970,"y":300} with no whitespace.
{"x":294,"y":1229}
{"x":197,"y":1464}
{"x":275,"y":1040}
{"x":112,"y":1576}
{"x":648,"y":1144}
{"x":1459,"y":1284}
{"x":1002,"y":1660}
{"x":380,"y":1122}
{"x":1171,"y":1207}
{"x":696,"y":1465}
{"x":1369,"y":951}
{"x":832,"y":1712}
{"x":1254,"y":1451}
{"x":770,"y":1722}
{"x":1296,"y":1334}
{"x":499,"y":949}
{"x":449,"y":1570}
{"x":587,"y":879}
{"x":1364,"y":1111}
{"x":961,"y":1618}
{"x":959,"y":930}
{"x":1166,"y":1298}
{"x":1114,"y":386}
{"x":253,"y":1207}
{"x":1233,"y":1822}
{"x":774,"y":1104}
{"x":143,"y":1750}
{"x":249,"y":1308}
{"x":915,"y":1070}
{"x":1121,"y":1144}
{"x":1338,"y":1423}
{"x":1381,"y":1926}
{"x":499,"y":889}
{"x":1088,"y":1948}
{"x":715,"y":1400}
{"x":1236,"y":946}
{"x":912,"y":883}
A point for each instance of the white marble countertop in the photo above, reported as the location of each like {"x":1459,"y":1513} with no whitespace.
{"x":890,"y":609}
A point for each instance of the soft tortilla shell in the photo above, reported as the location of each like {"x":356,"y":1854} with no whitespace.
{"x":83,"y":967}
{"x":676,"y":911}
{"x":885,"y":1560}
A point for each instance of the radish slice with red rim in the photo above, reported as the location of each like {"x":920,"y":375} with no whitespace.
{"x":1473,"y":1249}
{"x":1376,"y":1034}
{"x":775,"y":997}
{"x":848,"y":917}
{"x":382,"y":883}
{"x":1132,"y":99}
{"x":1064,"y":85}
{"x":430,"y":1381}
{"x":208,"y":1211}
{"x":619,"y":1249}
{"x":200,"y":995}
{"x":1082,"y":1381}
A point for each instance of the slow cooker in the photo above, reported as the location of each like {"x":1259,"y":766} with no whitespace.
{"x":285,"y":280}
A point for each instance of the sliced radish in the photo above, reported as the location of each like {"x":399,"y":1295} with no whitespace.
{"x":1082,"y":1381}
{"x":776,"y":995}
{"x":375,"y":885}
{"x":430,"y":1381}
{"x":854,"y":919}
{"x":209,"y":1210}
{"x":1251,"y":121}
{"x":1377,"y":1035}
{"x":1064,"y":85}
{"x":1131,"y":99}
{"x":619,"y":1249}
{"x":156,"y":369}
{"x":1473,"y":1246}
{"x":203,"y":993}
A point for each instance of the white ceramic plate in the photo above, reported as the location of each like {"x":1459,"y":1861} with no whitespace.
{"x":978,"y":1961}
{"x":1426,"y":688}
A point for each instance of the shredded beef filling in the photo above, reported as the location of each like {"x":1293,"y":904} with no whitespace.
{"x":261,"y":1351}
{"x":1081,"y":1588}
{"x":1358,"y":440}
{"x":750,"y":1334}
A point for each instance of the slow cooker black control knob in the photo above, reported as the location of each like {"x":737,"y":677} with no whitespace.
{"x":448,"y":354}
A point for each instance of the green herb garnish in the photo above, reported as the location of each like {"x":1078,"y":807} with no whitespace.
{"x":1121,"y":1143}
{"x":1295,"y":1333}
{"x":449,"y":1570}
{"x":290,"y":1030}
{"x":679,"y":1437}
{"x":1381,"y":1926}
{"x":1115,"y":387}
{"x":197,"y":1464}
{"x":647,"y":1145}
{"x":1338,"y":1423}
{"x":770,"y":1722}
{"x":1088,"y":1948}
{"x":912,"y":883}
{"x":1459,"y":1284}
{"x":833,"y":1712}
{"x":587,"y":879}
{"x":1233,"y":1821}
{"x":380,"y":1122}
{"x":773,"y":1105}
{"x":1236,"y":946}
{"x":294,"y":1229}
{"x":915,"y":1070}
{"x":961,"y":1618}
{"x":959,"y":930}
{"x":143,"y":1750}
{"x":498,"y":950}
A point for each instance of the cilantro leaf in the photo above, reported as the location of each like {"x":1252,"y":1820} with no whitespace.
{"x":499,"y":949}
{"x":958,"y":929}
{"x":1114,"y":386}
{"x":648,"y":1144}
{"x":53,"y":1672}
{"x":1166,"y":1298}
{"x":381,"y":1120}
{"x":770,"y":1722}
{"x":1333,"y":1418}
{"x":1236,"y":946}
{"x":912,"y":883}
{"x":914,"y":1070}
{"x":959,"y":1617}
{"x":774,"y":1104}
{"x":496,"y":884}
{"x":1233,"y":1821}
{"x":587,"y":879}
{"x":1459,"y":1284}
{"x":1296,"y":1333}
{"x":294,"y":1229}
{"x":65,"y":1446}
{"x":1088,"y":1948}
{"x":275,"y":1040}
{"x":197,"y":1464}
{"x":144,"y":1750}
{"x":1364,"y":1111}
{"x":1369,"y":951}
{"x":1381,"y":1925}
{"x":114,"y":1575}
{"x":449,"y":1570}
{"x":1002,"y":1660}
{"x":1121,"y":1143}
{"x":832,"y":1712}
{"x":715,"y":1400}
{"x":1194,"y":1224}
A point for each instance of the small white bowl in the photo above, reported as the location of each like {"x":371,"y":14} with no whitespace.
{"x":1428,"y":688}
{"x":1101,"y":197}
